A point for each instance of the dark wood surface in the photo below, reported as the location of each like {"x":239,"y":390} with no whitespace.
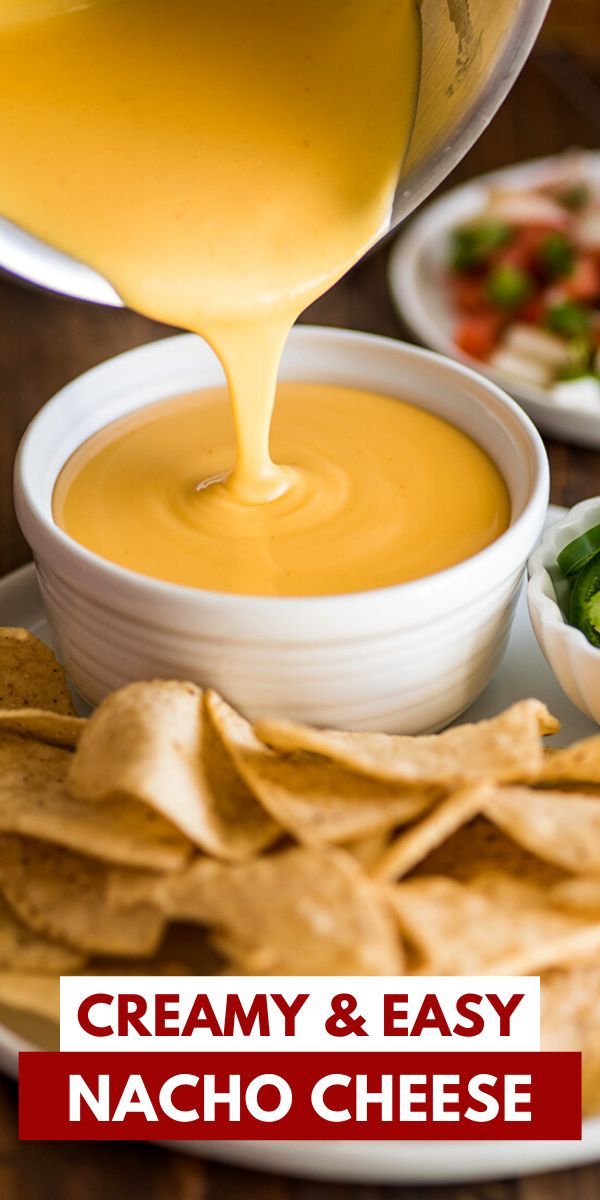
{"x":44,"y":342}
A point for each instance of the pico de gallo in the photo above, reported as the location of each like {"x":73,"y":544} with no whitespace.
{"x":525,"y":280}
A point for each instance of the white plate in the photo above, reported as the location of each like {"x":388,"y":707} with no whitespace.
{"x":418,"y":283}
{"x":523,"y":673}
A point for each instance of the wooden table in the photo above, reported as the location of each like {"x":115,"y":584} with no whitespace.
{"x":44,"y":342}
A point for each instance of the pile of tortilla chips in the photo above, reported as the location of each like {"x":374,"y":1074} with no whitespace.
{"x":166,"y":834}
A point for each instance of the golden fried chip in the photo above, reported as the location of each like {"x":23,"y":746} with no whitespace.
{"x":413,"y":845}
{"x":292,"y":912}
{"x":152,"y":742}
{"x":184,"y":950}
{"x":580,"y":892}
{"x":368,"y":850}
{"x":481,"y":846}
{"x":23,"y":950}
{"x":579,"y":763}
{"x":69,"y":898}
{"x":504,"y":749}
{"x":492,"y":925}
{"x":566,"y":932}
{"x":30,"y":675}
{"x":314,"y":799}
{"x":56,"y":728}
{"x":35,"y":802}
{"x":37,"y":994}
{"x":571,"y":1021}
{"x":561,"y":827}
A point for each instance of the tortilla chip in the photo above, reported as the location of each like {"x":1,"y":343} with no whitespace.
{"x":504,"y":749}
{"x":571,"y":1021}
{"x":23,"y":950}
{"x":35,"y":802}
{"x":56,"y":728}
{"x":581,"y":894}
{"x":314,"y":799}
{"x":37,"y":994}
{"x":411,"y":847}
{"x":368,"y":851}
{"x":69,"y":898}
{"x":292,"y":912}
{"x":153,"y":743}
{"x":540,"y":908}
{"x":481,"y":846}
{"x":30,"y":675}
{"x":492,"y":925}
{"x":184,"y":950}
{"x":579,"y":763}
{"x":563,"y":828}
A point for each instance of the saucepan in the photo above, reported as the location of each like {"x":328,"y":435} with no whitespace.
{"x":471,"y":54}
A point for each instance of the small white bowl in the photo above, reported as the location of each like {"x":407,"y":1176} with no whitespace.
{"x":407,"y":658}
{"x":575,"y":662}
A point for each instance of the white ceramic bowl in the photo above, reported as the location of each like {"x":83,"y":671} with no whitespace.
{"x":407,"y":658}
{"x":575,"y":662}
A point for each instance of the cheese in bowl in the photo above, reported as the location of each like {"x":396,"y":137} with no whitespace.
{"x":378,"y":492}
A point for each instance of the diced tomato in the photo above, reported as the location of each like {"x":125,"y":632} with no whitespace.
{"x":477,"y":335}
{"x":534,"y":310}
{"x":584,"y":281}
{"x":469,"y":293}
{"x":524,"y":248}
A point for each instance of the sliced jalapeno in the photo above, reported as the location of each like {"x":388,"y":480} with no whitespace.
{"x":579,"y":552}
{"x":584,"y":610}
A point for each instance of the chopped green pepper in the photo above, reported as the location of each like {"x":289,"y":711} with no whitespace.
{"x":575,"y":198}
{"x":556,"y":255}
{"x":473,"y":244}
{"x":508,"y":286}
{"x":584,"y":610}
{"x":574,"y":370}
{"x":578,"y":553}
{"x":568,"y":318}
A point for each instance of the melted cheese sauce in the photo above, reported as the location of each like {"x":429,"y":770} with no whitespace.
{"x":385,"y":492}
{"x":222,"y":164}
